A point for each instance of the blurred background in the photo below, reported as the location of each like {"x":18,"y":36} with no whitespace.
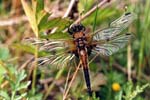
{"x":123,"y":76}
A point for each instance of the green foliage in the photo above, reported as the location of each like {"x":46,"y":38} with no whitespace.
{"x":30,"y":49}
{"x":131,"y":92}
{"x":15,"y":79}
{"x":16,"y":85}
{"x":56,"y":35}
{"x":39,"y":18}
{"x":118,"y":96}
{"x":4,"y":53}
{"x":34,"y":96}
{"x":85,"y":5}
{"x":103,"y":15}
{"x":86,"y":97}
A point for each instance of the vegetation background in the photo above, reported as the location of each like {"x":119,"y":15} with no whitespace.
{"x":123,"y":76}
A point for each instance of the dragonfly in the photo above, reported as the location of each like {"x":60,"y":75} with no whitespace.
{"x":82,"y":45}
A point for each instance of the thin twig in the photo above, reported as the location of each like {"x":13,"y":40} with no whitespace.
{"x":66,"y":14}
{"x":69,"y":8}
{"x":73,"y":77}
{"x":13,"y":21}
{"x":93,"y":58}
{"x":67,"y":79}
{"x":129,"y":62}
{"x":46,"y":81}
{"x":25,"y":64}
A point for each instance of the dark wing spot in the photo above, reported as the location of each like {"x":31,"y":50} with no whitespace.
{"x":128,"y":34}
{"x":108,"y":39}
{"x":128,"y":13}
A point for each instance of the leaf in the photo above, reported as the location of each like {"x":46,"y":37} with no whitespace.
{"x":21,"y":76}
{"x":27,"y":48}
{"x":11,"y":82}
{"x":42,"y":17}
{"x":57,"y":35}
{"x":2,"y":70}
{"x":2,"y":73}
{"x":119,"y":95}
{"x":40,"y":12}
{"x":38,"y":17}
{"x":4,"y":53}
{"x":23,"y":85}
{"x":56,"y":22}
{"x":5,"y":95}
{"x":45,"y":24}
{"x":65,"y":23}
{"x":20,"y":97}
{"x":31,"y":16}
{"x":30,"y":49}
{"x":1,"y":79}
{"x":40,"y":6}
{"x":36,"y":96}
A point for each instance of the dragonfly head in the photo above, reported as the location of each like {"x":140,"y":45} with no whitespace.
{"x":76,"y":28}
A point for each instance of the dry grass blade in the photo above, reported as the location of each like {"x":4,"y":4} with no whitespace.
{"x":67,"y":80}
{"x":13,"y":21}
{"x":74,"y":75}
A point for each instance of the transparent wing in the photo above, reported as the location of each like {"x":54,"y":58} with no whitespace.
{"x":115,"y":27}
{"x":112,"y":45}
{"x":58,"y":61}
{"x":49,"y":45}
{"x":58,"y":49}
{"x":124,"y":21}
{"x":110,"y":40}
{"x":106,"y":33}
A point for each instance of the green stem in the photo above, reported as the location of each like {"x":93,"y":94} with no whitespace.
{"x":95,"y":18}
{"x":13,"y":95}
{"x":140,"y":57}
{"x":35,"y":70}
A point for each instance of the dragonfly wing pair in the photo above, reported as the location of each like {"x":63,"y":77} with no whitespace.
{"x":110,"y":40}
{"x":57,"y":49}
{"x":106,"y":41}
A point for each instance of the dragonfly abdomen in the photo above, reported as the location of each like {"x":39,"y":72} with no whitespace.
{"x":84,"y":60}
{"x":87,"y":79}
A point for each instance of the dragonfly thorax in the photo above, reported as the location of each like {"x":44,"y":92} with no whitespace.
{"x":81,"y":43}
{"x":80,"y":40}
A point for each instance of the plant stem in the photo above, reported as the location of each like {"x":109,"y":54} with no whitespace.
{"x":129,"y":61}
{"x":75,"y":73}
{"x":140,"y":57}
{"x":35,"y":70}
{"x":13,"y":95}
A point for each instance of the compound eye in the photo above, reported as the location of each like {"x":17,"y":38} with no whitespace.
{"x":82,"y":27}
{"x":75,"y":28}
